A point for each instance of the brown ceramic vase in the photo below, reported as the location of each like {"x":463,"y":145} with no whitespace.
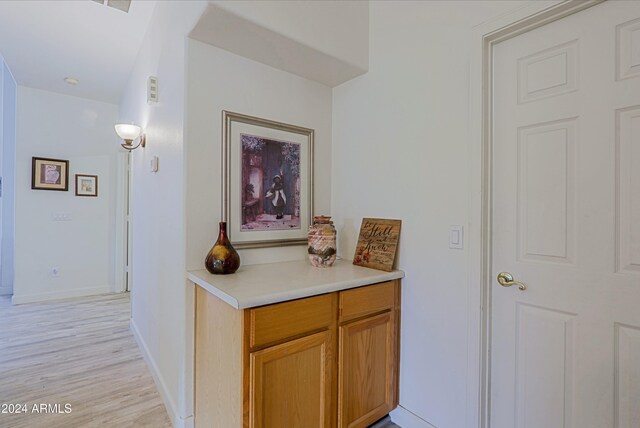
{"x":223,"y":258}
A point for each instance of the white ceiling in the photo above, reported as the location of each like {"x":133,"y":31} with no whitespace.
{"x":45,"y":41}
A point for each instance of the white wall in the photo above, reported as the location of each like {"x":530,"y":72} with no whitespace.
{"x":81,"y":131}
{"x":7,"y":168}
{"x":401,"y":150}
{"x":185,"y":193}
{"x":218,"y":80}
{"x":160,"y":295}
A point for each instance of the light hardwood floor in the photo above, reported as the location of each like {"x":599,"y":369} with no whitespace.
{"x":78,"y":352}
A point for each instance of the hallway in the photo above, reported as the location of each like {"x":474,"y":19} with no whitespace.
{"x":79,"y":358}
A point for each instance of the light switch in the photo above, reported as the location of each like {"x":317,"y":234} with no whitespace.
{"x":154,"y":164}
{"x":455,"y":237}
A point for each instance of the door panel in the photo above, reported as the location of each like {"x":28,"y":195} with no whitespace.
{"x":366,"y":379}
{"x":627,"y":351}
{"x":566,"y":221}
{"x":627,"y":46}
{"x":548,"y":73}
{"x":628,"y":210}
{"x":545,"y":364}
{"x":546,"y":157}
{"x":291,"y":383}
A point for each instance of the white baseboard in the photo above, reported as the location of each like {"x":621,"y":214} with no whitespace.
{"x":404,"y":418}
{"x":6,"y":291}
{"x":18,"y":299}
{"x":172,"y":410}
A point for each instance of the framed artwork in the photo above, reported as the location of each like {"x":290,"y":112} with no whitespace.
{"x":377,"y":243}
{"x":267,"y":181}
{"x":49,"y":174}
{"x":86,"y":185}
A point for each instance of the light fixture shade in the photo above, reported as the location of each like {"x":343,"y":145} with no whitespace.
{"x":128,"y":132}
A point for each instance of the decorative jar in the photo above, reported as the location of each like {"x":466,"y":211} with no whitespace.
{"x":322,"y":242}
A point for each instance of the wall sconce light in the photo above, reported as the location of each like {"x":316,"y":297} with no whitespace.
{"x":129,"y":132}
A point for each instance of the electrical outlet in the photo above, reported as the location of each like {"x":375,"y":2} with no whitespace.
{"x":62,"y":217}
{"x":55,"y":272}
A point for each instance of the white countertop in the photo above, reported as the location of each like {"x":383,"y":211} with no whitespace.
{"x":258,"y":285}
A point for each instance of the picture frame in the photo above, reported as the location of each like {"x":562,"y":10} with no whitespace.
{"x":49,"y":174}
{"x":267,"y":181}
{"x":86,"y":185}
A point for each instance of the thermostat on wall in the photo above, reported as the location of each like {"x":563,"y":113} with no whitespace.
{"x":154,"y":163}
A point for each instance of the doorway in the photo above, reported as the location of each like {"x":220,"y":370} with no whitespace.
{"x":8,"y":94}
{"x":560,"y":216}
{"x":123,"y":224}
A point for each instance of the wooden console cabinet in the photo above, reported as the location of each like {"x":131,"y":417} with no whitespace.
{"x":329,"y":360}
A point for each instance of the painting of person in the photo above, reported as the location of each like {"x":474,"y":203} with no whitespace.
{"x":270,"y":184}
{"x":278,"y":198}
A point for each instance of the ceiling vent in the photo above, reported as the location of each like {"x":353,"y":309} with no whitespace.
{"x":122,"y":5}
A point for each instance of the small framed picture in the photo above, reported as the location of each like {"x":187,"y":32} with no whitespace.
{"x":49,"y":174}
{"x":86,"y":185}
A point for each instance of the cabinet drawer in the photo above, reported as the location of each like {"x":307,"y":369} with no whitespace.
{"x":363,"y":301}
{"x":275,"y":323}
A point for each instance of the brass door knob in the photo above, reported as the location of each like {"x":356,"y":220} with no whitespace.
{"x":506,"y":280}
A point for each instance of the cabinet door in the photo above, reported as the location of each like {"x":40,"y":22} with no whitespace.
{"x":292,"y":383}
{"x":366,"y":378}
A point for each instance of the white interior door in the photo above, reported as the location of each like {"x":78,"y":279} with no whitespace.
{"x":565,"y":352}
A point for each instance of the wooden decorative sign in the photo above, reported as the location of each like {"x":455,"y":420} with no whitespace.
{"x":377,"y":243}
